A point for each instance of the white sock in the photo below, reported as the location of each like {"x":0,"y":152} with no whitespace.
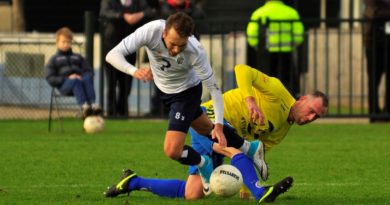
{"x":85,"y":106}
{"x":245,"y":147}
{"x":94,"y":105}
{"x":202,"y":161}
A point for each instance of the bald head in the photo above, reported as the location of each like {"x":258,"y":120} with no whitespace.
{"x":309,"y":107}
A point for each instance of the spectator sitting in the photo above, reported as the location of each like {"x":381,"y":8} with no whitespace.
{"x":70,"y":73}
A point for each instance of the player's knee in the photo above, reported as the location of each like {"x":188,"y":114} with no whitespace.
{"x":194,"y":193}
{"x":194,"y":188}
{"x":172,"y":153}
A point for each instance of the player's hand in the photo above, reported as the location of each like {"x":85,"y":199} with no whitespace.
{"x":244,"y":193}
{"x":144,"y":74}
{"x":217,"y":133}
{"x":255,"y":114}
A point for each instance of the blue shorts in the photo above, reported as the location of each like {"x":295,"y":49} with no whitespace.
{"x":184,"y":107}
{"x":204,"y":146}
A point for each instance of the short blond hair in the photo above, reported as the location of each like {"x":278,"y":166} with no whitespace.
{"x":64,"y":31}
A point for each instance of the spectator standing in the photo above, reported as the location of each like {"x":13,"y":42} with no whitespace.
{"x":377,"y":43}
{"x":169,"y":7}
{"x":280,"y":39}
{"x":71,"y":74}
{"x":118,"y":19}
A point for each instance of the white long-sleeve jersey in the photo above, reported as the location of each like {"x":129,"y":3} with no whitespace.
{"x":171,"y":74}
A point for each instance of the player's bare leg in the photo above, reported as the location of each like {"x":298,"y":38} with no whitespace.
{"x":175,"y":148}
{"x":173,"y":144}
{"x":202,"y":125}
{"x":194,"y":187}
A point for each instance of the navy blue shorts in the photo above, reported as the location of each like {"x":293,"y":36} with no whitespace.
{"x":184,"y":107}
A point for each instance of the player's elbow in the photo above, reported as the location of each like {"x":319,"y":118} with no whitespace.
{"x":238,"y":68}
{"x":110,"y":56}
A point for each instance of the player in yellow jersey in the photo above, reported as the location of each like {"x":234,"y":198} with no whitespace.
{"x":260,"y":110}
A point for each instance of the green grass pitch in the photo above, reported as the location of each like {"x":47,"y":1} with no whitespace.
{"x":331,"y":163}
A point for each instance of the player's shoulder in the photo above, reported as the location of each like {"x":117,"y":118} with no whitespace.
{"x":195,"y":46}
{"x":148,"y":34}
{"x":155,"y":24}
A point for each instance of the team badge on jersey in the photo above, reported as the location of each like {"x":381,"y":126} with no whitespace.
{"x":216,"y":86}
{"x":180,"y":60}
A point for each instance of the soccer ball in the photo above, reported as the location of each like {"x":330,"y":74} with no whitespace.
{"x":226,"y":180}
{"x":93,"y":124}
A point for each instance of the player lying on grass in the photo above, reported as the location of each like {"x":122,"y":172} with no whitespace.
{"x":193,"y":188}
{"x":260,"y":108}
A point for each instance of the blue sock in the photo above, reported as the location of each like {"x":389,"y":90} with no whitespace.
{"x":252,"y":148}
{"x":162,"y":187}
{"x":245,"y":165}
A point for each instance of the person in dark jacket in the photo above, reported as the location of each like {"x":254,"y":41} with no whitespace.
{"x":169,"y":7}
{"x":119,"y":18}
{"x":71,"y":74}
{"x":377,"y":43}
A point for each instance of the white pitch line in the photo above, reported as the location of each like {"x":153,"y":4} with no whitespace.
{"x":328,"y":184}
{"x":100,"y":185}
{"x":39,"y":186}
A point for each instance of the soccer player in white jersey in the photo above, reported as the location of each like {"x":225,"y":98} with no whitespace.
{"x":178,"y":66}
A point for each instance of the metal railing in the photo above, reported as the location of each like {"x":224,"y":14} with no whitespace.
{"x":331,"y":59}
